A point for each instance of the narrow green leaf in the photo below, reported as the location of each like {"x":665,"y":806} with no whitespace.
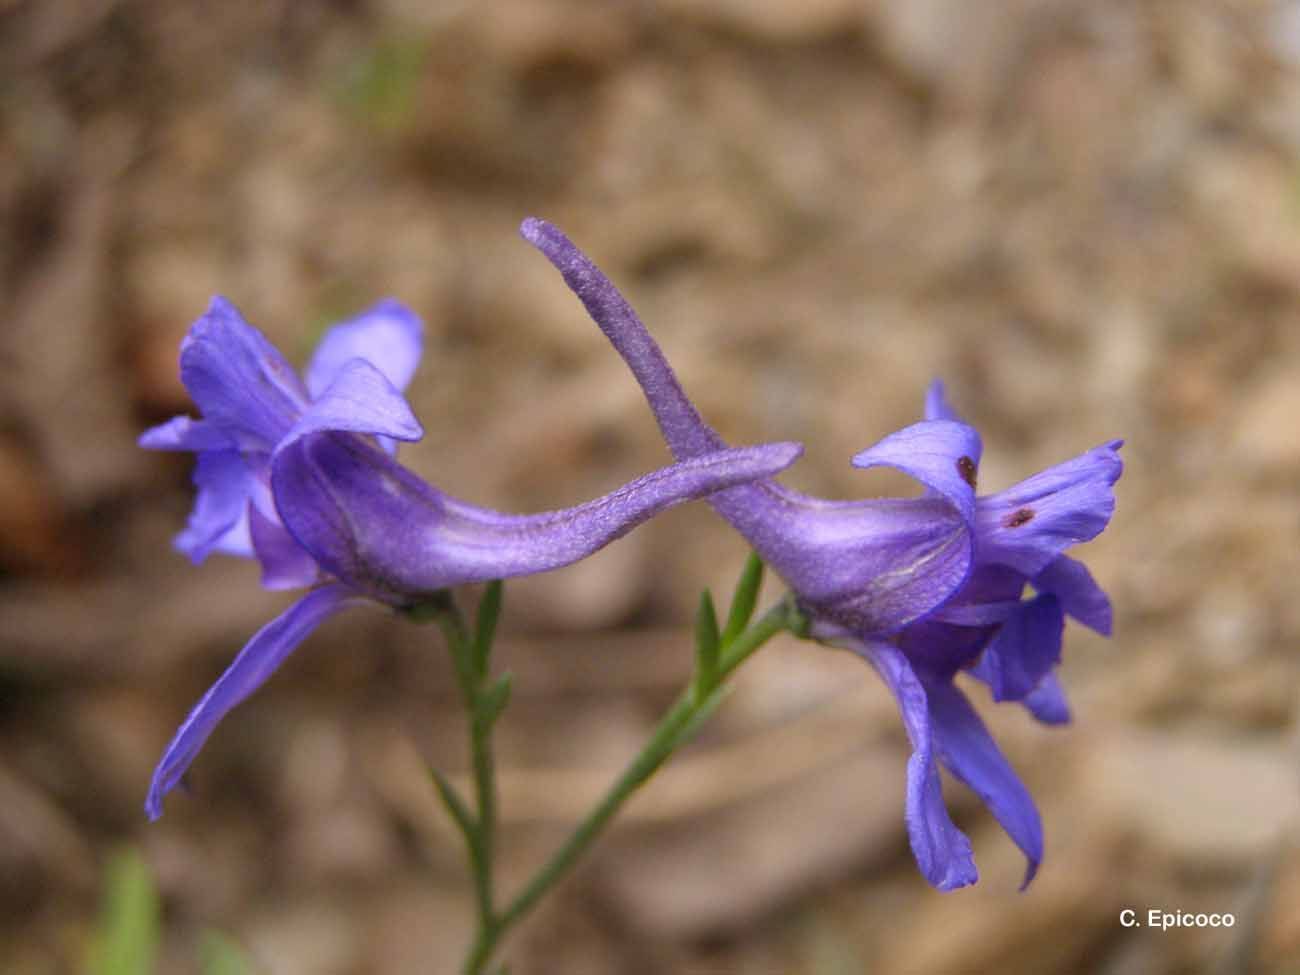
{"x":220,"y":955}
{"x":456,"y":806}
{"x":493,"y":701}
{"x":744,"y":598}
{"x":485,"y":628}
{"x":706,"y":643}
{"x":129,"y":931}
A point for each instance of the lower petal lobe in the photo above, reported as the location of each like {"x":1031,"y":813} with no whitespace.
{"x":968,"y":751}
{"x":249,"y":671}
{"x":1024,"y":650}
{"x":942,"y":851}
{"x":225,"y":485}
{"x":1047,"y":702}
{"x":1071,"y":582}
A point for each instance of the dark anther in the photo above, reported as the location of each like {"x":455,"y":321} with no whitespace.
{"x":1019,"y":517}
{"x":966,"y":468}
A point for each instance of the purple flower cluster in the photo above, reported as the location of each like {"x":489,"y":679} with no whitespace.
{"x":922,"y":588}
{"x":299,"y":474}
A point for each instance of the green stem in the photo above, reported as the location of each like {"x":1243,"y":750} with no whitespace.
{"x":470,"y":660}
{"x":668,"y":735}
{"x":486,"y":790}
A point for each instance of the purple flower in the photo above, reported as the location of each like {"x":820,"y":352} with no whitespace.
{"x":253,"y":402}
{"x":922,"y":588}
{"x":298,"y":473}
{"x":989,"y":629}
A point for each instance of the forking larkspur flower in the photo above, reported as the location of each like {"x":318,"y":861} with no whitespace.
{"x":922,"y":588}
{"x":298,"y":473}
{"x":1010,"y":643}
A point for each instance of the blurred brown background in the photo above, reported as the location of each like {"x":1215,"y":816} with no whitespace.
{"x":1083,"y":214}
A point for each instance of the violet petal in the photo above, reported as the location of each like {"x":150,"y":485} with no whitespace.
{"x":285,"y":563}
{"x":1024,"y":650}
{"x":387,"y":335}
{"x":249,"y":671}
{"x":1030,"y":524}
{"x":1071,"y":582}
{"x":937,"y":406}
{"x":185,"y":433}
{"x":873,"y":566}
{"x":224,"y":485}
{"x":1047,"y":702}
{"x":359,"y":400}
{"x":942,"y":851}
{"x":942,"y":454}
{"x":968,"y":751}
{"x":239,"y":381}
